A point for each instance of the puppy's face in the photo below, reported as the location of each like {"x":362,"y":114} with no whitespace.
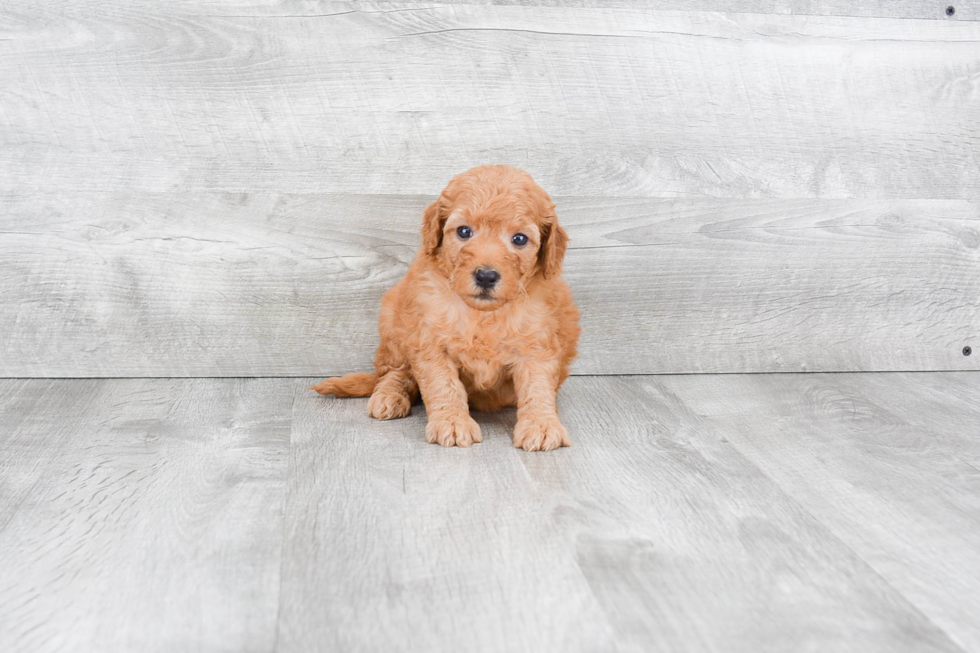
{"x":489,"y":252}
{"x":492,"y":230}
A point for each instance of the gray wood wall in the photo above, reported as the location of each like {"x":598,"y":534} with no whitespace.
{"x":227,"y":188}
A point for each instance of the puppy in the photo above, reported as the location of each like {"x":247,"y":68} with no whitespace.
{"x":482,"y":319}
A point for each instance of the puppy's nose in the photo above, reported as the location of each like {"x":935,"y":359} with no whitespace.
{"x":486,"y":278}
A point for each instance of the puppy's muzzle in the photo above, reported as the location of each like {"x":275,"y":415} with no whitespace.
{"x":486,"y":278}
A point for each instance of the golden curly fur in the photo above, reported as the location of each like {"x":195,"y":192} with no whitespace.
{"x":502,"y":337}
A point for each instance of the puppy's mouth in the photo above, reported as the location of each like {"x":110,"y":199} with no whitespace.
{"x":485,"y":300}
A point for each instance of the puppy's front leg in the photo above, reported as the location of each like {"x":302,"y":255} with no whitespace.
{"x":444,"y":397}
{"x":538,"y":427}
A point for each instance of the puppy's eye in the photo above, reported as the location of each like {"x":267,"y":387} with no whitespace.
{"x":519,"y":239}
{"x":464,"y":232}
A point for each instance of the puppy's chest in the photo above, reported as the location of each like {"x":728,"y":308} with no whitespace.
{"x":484,"y":351}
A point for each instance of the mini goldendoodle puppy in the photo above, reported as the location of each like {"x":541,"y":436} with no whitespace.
{"x":483,"y":317}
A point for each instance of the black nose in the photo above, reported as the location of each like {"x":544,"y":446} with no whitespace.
{"x":486,"y":278}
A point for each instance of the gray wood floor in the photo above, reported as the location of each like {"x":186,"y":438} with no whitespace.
{"x":831,"y":512}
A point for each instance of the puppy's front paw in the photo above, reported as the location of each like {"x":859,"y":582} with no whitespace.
{"x":540,"y":434}
{"x":389,"y":405}
{"x":459,"y":430}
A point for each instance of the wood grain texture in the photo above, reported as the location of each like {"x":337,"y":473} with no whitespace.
{"x":744,"y":513}
{"x":199,"y":284}
{"x":141,"y":514}
{"x":398,"y":545}
{"x":886,"y":467}
{"x":24,"y":415}
{"x":868,"y":8}
{"x":927,"y":9}
{"x":650,"y":533}
{"x":938,"y":406}
{"x":606,"y":101}
{"x":689,"y":545}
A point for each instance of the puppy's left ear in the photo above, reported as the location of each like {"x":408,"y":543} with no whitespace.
{"x":433,"y":220}
{"x":554,"y":241}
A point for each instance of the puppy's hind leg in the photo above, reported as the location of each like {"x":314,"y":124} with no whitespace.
{"x":393,"y":395}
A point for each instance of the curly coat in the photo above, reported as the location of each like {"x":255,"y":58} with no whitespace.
{"x":462,"y":343}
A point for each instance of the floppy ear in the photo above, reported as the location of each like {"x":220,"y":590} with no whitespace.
{"x":554,"y":240}
{"x":433,"y":220}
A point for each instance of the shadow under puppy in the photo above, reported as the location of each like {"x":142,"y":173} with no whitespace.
{"x":483,"y":317}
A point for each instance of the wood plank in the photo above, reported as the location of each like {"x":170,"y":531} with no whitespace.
{"x":880,"y":8}
{"x":24,"y":413}
{"x":395,"y":99}
{"x":893,"y":489}
{"x":942,"y":407}
{"x":153,"y":520}
{"x":305,"y":8}
{"x":781,"y":287}
{"x":211,"y":284}
{"x":398,"y":545}
{"x":867,"y":8}
{"x":689,"y":546}
{"x":300,"y":8}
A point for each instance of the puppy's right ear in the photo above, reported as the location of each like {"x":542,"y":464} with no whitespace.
{"x":433,"y":220}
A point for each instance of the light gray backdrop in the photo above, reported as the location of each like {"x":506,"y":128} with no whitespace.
{"x":227,"y":188}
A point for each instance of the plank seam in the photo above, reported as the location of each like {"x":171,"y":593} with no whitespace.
{"x":830,"y":534}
